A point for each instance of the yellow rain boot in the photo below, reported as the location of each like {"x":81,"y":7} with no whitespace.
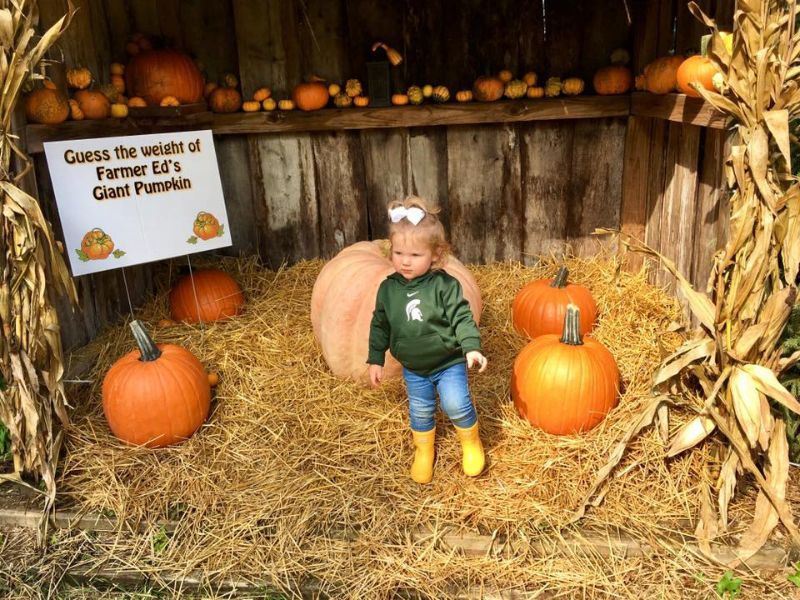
{"x":422,"y":469}
{"x":474,"y":459}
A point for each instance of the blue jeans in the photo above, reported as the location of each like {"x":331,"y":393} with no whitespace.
{"x":451,"y":383}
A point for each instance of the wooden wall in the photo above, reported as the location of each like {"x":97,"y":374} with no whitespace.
{"x":674,"y":195}
{"x":507,"y":191}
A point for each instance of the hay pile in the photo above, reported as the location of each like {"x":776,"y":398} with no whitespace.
{"x":298,"y":475}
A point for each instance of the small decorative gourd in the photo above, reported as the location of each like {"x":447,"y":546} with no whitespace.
{"x":79,"y":78}
{"x":333,"y":89}
{"x":361,"y":101}
{"x":399,"y":99}
{"x":552,"y":87}
{"x":440,"y":94}
{"x":310,"y":96}
{"x":613,"y":80}
{"x":284,"y":104}
{"x":505,"y":76}
{"x":225,"y":100}
{"x":75,"y":112}
{"x":661,"y":75}
{"x":540,"y":307}
{"x":47,"y":105}
{"x":530,"y":78}
{"x":353,"y":88}
{"x":155,"y":396}
{"x":118,"y":81}
{"x":117,"y":68}
{"x":535,"y":92}
{"x":515,"y":88}
{"x":251,"y":106}
{"x":119,"y":111}
{"x":269,"y":104}
{"x":464,"y":96}
{"x":414,"y":94}
{"x":208,"y":88}
{"x":136,"y":102}
{"x":215,"y":293}
{"x":487,"y":89}
{"x":262,"y":94}
{"x":171,"y":101}
{"x":565,"y":385}
{"x":572,"y":86}
{"x":699,"y":70}
{"x":342,"y":100}
{"x":93,"y":103}
{"x":230,"y":80}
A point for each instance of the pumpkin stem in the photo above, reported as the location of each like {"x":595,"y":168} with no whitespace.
{"x":572,"y":327}
{"x":560,"y":280}
{"x":148,"y":349}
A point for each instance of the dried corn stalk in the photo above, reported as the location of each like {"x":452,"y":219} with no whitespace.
{"x":728,"y":371}
{"x":30,"y":268}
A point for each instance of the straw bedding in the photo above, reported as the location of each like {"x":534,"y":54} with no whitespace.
{"x":300,"y":476}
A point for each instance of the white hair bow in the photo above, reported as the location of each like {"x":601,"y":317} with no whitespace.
{"x":413,"y":214}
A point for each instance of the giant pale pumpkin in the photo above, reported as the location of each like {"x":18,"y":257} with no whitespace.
{"x":157,"y":395}
{"x":154,"y":74}
{"x":565,"y":385}
{"x":215,"y":293}
{"x":540,"y":307}
{"x":343,"y":300}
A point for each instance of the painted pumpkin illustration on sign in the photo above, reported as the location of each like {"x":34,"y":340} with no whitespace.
{"x":206,"y":226}
{"x":96,"y":245}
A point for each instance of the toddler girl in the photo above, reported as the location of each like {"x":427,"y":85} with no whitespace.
{"x":422,"y":317}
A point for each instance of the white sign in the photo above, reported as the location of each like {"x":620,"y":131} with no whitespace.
{"x":130,"y":200}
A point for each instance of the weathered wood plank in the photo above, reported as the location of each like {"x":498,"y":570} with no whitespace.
{"x":339,"y":171}
{"x":285,"y":198}
{"x":579,"y":107}
{"x":486,"y":212}
{"x":233,"y":157}
{"x":596,"y":182}
{"x":645,"y":33}
{"x":209,"y":34}
{"x":656,"y":178}
{"x":688,"y":29}
{"x":145,"y":17}
{"x":532,"y":47}
{"x":323,"y":39}
{"x":678,"y":108}
{"x":118,"y":25}
{"x":427,"y":168}
{"x":606,"y":26}
{"x":678,"y":210}
{"x":367,"y":23}
{"x":666,"y":26}
{"x":635,"y":177}
{"x":723,"y":14}
{"x":562,"y":20}
{"x":546,"y":154}
{"x":385,"y":174}
{"x":711,"y":207}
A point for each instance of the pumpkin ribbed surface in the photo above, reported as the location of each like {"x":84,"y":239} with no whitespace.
{"x":539,"y":308}
{"x":564,"y":388}
{"x":343,"y":300}
{"x":696,"y":69}
{"x":157,"y":73}
{"x":47,"y":106}
{"x":156,"y":403}
{"x":218,"y":297}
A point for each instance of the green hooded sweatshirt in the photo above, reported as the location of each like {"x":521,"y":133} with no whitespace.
{"x":425,"y":322}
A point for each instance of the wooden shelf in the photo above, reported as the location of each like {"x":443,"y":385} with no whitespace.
{"x":679,"y":108}
{"x":335,"y":119}
{"x":672,"y":107}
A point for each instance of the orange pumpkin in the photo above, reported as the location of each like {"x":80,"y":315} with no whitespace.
{"x":310,"y":96}
{"x":218,"y":296}
{"x":47,"y":105}
{"x":696,"y":69}
{"x":206,"y":226}
{"x":361,"y":101}
{"x":399,"y":99}
{"x":157,"y":395}
{"x":343,"y":300}
{"x":79,"y":78}
{"x":566,"y":384}
{"x":614,"y":79}
{"x":660,"y":76}
{"x":153,"y":74}
{"x":169,"y":101}
{"x":225,"y":100}
{"x":136,"y":102}
{"x":97,"y":244}
{"x":488,"y":89}
{"x":94,"y":104}
{"x":540,"y":307}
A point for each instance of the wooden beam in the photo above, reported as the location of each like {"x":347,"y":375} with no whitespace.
{"x":678,"y":108}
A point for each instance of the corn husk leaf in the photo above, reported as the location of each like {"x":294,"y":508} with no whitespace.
{"x":767,"y":383}
{"x":746,"y":403}
{"x":691,"y":434}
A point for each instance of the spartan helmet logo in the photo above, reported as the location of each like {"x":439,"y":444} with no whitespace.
{"x":413,"y":313}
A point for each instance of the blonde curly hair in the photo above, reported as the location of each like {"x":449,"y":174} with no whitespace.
{"x":429,"y":230}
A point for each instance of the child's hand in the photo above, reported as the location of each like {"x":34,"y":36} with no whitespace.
{"x":375,"y":375}
{"x":474,"y":357}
